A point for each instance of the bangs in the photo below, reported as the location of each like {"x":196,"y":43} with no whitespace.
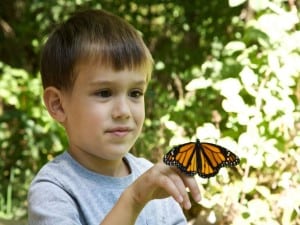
{"x":118,"y":56}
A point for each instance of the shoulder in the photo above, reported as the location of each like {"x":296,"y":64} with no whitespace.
{"x":52,"y":169}
{"x":62,"y":173}
{"x":48,"y":195}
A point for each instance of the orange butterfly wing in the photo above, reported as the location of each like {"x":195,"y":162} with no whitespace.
{"x":206,"y":159}
{"x":184,"y":157}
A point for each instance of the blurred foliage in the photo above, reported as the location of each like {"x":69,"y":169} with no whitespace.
{"x":225,"y":71}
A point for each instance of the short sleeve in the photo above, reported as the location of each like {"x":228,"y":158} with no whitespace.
{"x":49,"y":204}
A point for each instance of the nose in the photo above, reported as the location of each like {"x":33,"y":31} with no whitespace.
{"x":121,"y":108}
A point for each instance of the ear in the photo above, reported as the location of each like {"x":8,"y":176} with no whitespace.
{"x":53,"y":99}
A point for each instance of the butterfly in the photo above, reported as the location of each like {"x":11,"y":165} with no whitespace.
{"x":206,"y":159}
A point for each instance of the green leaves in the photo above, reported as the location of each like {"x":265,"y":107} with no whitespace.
{"x":225,"y":71}
{"x":245,"y":97}
{"x":24,"y":139}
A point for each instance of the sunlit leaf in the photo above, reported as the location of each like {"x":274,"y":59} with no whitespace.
{"x":249,"y":184}
{"x":258,"y":5}
{"x":198,"y":83}
{"x":229,"y":87}
{"x":233,"y":47}
{"x":234,"y":3}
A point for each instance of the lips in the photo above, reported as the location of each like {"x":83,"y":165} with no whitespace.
{"x":119,"y":131}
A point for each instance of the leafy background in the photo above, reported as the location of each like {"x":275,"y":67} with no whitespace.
{"x":225,"y":71}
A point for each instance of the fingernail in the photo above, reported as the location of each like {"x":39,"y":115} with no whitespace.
{"x":198,"y":198}
{"x":188,"y":205}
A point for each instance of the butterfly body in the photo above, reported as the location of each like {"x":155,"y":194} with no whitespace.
{"x":204,"y":159}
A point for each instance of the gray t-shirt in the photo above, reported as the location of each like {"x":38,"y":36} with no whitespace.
{"x":66,"y":193}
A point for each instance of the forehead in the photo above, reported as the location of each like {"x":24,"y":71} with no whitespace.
{"x":91,"y":72}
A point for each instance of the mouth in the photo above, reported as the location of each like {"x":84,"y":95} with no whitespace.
{"x":119,"y":131}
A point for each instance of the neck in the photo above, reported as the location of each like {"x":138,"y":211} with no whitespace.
{"x":113,"y":168}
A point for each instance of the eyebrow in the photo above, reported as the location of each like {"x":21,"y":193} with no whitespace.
{"x":108,"y":82}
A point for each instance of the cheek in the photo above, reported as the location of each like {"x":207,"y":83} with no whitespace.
{"x":86,"y":125}
{"x":87,"y":116}
{"x":140,"y":115}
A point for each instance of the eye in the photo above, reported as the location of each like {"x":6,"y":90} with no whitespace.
{"x":104,"y":93}
{"x":136,"y":93}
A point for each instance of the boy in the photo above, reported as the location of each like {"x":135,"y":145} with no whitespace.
{"x":95,"y":69}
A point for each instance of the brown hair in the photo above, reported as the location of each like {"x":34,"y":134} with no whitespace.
{"x":92,"y":35}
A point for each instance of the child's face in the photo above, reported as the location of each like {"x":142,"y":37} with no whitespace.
{"x":104,"y":112}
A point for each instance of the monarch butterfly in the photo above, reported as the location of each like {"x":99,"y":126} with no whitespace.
{"x":206,"y":159}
